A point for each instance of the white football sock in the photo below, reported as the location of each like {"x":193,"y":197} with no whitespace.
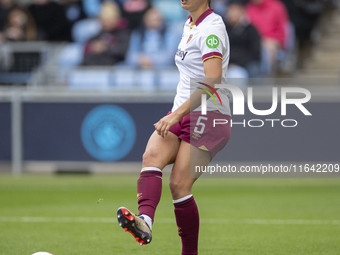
{"x":148,"y":220}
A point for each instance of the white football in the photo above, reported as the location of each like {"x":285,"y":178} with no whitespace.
{"x":42,"y":253}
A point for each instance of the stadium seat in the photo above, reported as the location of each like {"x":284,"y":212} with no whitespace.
{"x":88,"y":79}
{"x":71,"y":55}
{"x":168,"y":79}
{"x":127,"y":78}
{"x":146,"y":80}
{"x":123,"y":78}
{"x":238,"y":76}
{"x":237,"y":72}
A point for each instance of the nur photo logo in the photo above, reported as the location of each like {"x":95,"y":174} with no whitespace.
{"x":204,"y":96}
{"x":287,"y":96}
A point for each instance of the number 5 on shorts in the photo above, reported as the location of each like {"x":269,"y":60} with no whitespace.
{"x":200,"y":126}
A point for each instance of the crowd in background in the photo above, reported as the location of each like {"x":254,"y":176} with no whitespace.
{"x":145,"y":34}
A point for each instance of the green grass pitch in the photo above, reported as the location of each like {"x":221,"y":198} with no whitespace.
{"x":69,"y":215}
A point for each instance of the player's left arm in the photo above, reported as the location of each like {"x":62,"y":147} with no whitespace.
{"x":213,"y":74}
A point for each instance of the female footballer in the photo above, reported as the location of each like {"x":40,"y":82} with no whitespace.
{"x":186,"y":136}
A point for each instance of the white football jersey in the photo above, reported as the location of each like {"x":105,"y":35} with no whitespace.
{"x":205,"y":39}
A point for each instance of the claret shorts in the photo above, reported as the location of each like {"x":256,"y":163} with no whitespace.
{"x":210,"y":132}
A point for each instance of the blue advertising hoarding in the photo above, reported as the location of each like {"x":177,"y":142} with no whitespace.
{"x":88,"y":131}
{"x":110,"y":132}
{"x":5,"y":131}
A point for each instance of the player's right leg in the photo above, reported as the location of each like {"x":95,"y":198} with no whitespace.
{"x":159,"y":152}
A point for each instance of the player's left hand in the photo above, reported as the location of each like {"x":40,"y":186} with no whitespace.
{"x":164,"y":124}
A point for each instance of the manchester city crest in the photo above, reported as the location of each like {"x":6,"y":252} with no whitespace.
{"x":108,"y":133}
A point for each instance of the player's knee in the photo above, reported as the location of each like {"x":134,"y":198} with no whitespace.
{"x":179,"y":187}
{"x":151,"y":157}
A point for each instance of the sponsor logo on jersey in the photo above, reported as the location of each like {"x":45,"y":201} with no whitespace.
{"x":212,"y":41}
{"x":239,"y":102}
{"x":180,"y":53}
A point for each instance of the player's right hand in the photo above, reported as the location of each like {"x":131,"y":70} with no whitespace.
{"x":164,"y":124}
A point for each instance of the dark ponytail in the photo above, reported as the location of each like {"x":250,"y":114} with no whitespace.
{"x":209,"y":2}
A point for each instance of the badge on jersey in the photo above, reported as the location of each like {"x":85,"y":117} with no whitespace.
{"x":190,"y":37}
{"x":212,"y":41}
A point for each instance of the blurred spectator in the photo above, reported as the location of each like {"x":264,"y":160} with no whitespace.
{"x":110,"y":45}
{"x":305,"y":15}
{"x":5,"y":7}
{"x":219,"y":6}
{"x":92,"y":7}
{"x":172,"y":12}
{"x":19,"y":26}
{"x":134,"y":11}
{"x":151,"y":45}
{"x":51,"y":21}
{"x":271,"y":20}
{"x":245,"y":42}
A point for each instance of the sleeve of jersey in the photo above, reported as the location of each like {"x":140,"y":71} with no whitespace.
{"x":212,"y":46}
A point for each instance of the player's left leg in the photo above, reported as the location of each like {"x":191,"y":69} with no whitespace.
{"x":181,"y":182}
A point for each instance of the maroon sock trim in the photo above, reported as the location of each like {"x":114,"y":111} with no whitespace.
{"x":150,"y":173}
